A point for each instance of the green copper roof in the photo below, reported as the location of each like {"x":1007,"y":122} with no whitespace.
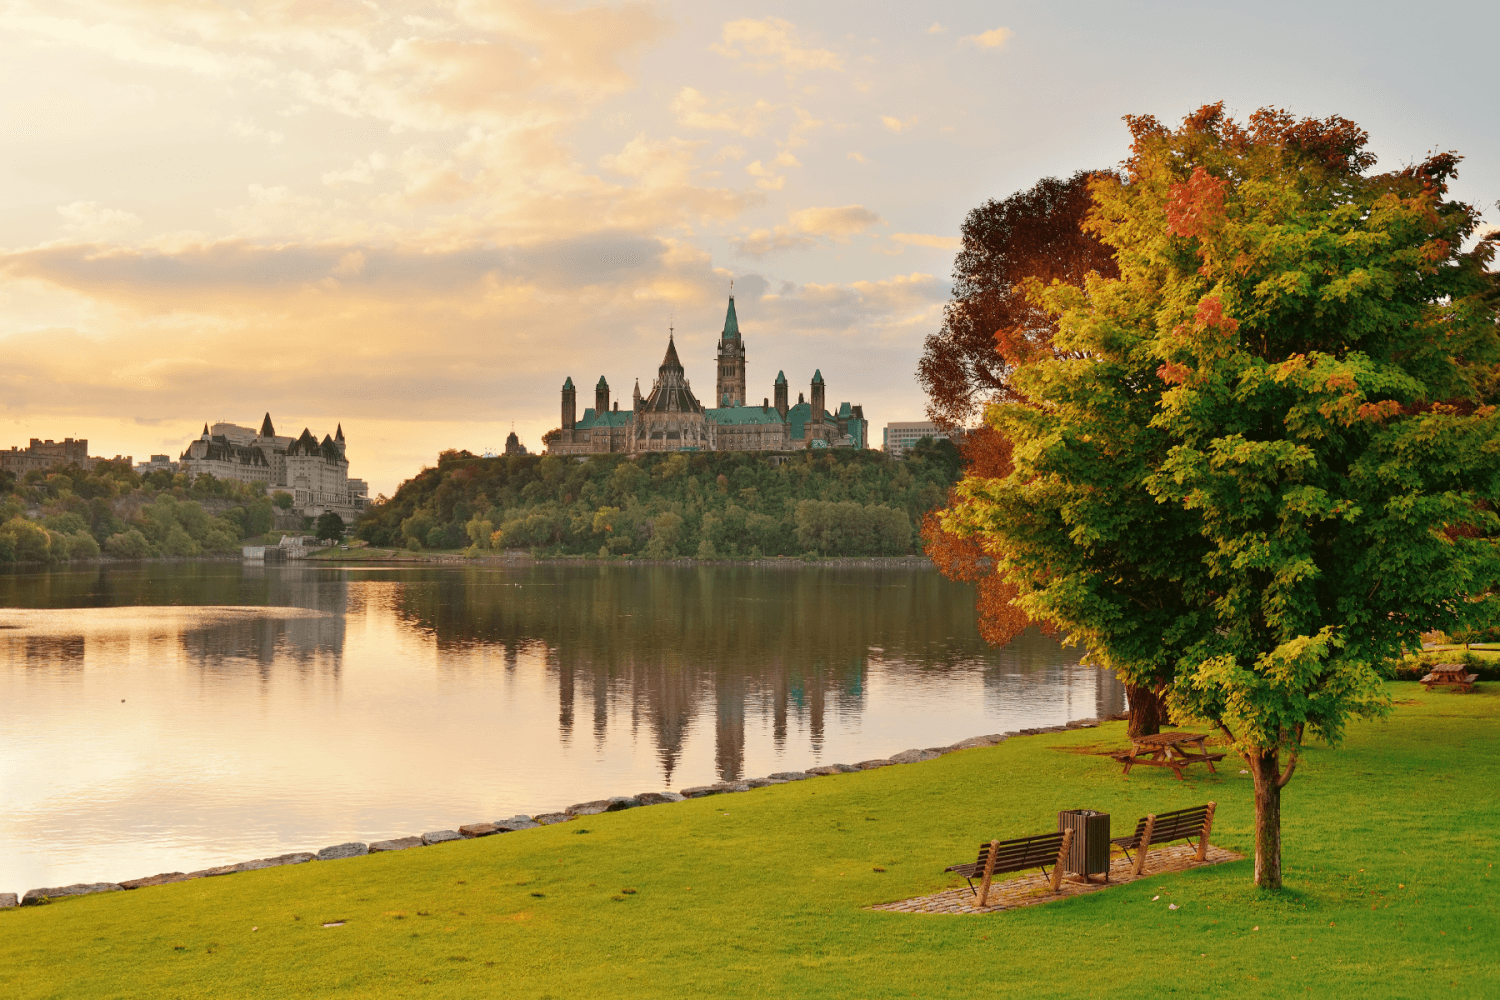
{"x":817,"y":376}
{"x":781,"y":378}
{"x":569,"y":383}
{"x":731,"y":321}
{"x":724,"y":415}
{"x":602,"y":384}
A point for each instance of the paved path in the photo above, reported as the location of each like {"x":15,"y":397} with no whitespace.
{"x":1029,"y":890}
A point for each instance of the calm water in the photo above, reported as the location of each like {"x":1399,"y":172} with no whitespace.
{"x":173,"y":717}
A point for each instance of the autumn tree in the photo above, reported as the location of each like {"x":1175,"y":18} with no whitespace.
{"x":991,"y":326}
{"x":1264,"y":454}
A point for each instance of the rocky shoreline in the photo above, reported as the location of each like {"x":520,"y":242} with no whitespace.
{"x":353,"y":849}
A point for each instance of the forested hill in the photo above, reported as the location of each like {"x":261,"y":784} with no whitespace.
{"x":704,"y":504}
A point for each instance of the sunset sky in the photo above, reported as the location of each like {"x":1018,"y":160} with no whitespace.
{"x":417,"y":219}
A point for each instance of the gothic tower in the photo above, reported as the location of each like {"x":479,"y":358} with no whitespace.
{"x":730,"y":389}
{"x":781,"y":406}
{"x":817,"y":397}
{"x":569,"y":405}
{"x":601,"y":397}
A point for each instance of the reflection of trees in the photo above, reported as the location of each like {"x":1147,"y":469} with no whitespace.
{"x":671,"y":639}
{"x":192,"y":584}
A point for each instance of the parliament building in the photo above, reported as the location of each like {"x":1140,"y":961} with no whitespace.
{"x":672,"y":419}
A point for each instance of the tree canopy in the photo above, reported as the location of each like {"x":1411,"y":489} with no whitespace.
{"x":1261,"y":459}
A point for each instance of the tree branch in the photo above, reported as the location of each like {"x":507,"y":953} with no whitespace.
{"x":1291,"y":765}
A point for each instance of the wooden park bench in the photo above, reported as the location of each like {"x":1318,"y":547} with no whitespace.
{"x":1163,"y":828}
{"x":1168,"y":750}
{"x":1450,"y":675}
{"x":1001,"y":856}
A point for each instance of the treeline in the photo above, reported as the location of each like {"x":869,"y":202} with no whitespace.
{"x":706,"y":504}
{"x":73,"y":513}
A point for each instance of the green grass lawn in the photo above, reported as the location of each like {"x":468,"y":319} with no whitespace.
{"x":1390,"y":892}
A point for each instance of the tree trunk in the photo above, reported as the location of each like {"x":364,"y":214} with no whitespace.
{"x":1146,"y":711}
{"x":1265,"y":767}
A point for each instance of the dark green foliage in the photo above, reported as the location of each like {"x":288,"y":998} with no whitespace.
{"x":330,"y":526}
{"x":73,"y":513}
{"x":708,"y":504}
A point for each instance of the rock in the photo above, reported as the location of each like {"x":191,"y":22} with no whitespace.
{"x":353,"y":849}
{"x":441,"y":837}
{"x":612,"y":804}
{"x":38,"y":896}
{"x":658,"y":798}
{"x":165,"y":878}
{"x":478,"y":829}
{"x":1083,"y":724}
{"x":825,"y":769}
{"x":398,"y":844}
{"x":295,"y":858}
{"x":516,"y":823}
{"x":217,"y":870}
{"x":1053,"y":729}
{"x":789,"y":776}
{"x":547,"y":819}
{"x":698,"y":791}
{"x":733,"y":786}
{"x":914,"y":756}
{"x":870,"y":765}
{"x":7,"y":900}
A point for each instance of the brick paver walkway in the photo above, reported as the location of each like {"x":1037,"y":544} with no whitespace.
{"x":1029,"y":890}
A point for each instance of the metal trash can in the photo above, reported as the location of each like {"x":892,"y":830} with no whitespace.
{"x":1089,"y":852}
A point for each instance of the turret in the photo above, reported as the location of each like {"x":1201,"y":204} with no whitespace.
{"x":267,"y":430}
{"x":569,"y":405}
{"x":817,"y":397}
{"x":338,"y":439}
{"x":601,"y":397}
{"x":729,"y":389}
{"x":781,"y":406}
{"x":636,"y":402}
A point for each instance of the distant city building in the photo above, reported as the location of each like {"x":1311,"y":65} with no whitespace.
{"x":902,"y":434}
{"x":158,"y":463}
{"x":315,"y":472}
{"x":513,"y":445}
{"x":40,"y":455}
{"x":672,"y":419}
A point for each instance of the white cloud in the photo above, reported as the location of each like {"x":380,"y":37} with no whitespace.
{"x":836,"y":223}
{"x":858,"y":157}
{"x":772,"y":44}
{"x":691,"y":109}
{"x":896,"y":124}
{"x":936,"y":29}
{"x":926,"y":240}
{"x":91,"y":219}
{"x":992,"y":39}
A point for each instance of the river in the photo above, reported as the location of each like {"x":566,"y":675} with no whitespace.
{"x":170,"y":717}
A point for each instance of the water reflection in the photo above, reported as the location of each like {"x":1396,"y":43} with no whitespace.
{"x":210,"y":711}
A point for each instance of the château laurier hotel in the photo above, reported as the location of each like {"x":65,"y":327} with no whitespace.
{"x":672,"y":419}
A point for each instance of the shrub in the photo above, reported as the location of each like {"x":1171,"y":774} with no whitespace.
{"x":128,"y":545}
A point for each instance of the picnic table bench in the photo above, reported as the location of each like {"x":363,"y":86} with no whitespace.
{"x":1000,"y":856}
{"x":1163,"y":828}
{"x":1454,"y":675}
{"x":1167,"y":750}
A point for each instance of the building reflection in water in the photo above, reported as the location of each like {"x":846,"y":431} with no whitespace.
{"x":661,"y":644}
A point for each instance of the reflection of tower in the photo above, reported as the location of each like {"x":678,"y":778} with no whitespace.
{"x":778,"y":707}
{"x":729,"y":725}
{"x":601,"y":704}
{"x":815,"y":715}
{"x":565,"y":697}
{"x":1109,"y":694}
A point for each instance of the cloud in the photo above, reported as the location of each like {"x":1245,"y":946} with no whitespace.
{"x":992,"y":39}
{"x":251,"y":132}
{"x":91,"y":219}
{"x":936,"y":29}
{"x":925,"y":240}
{"x":772,"y":44}
{"x":690,"y":108}
{"x":807,"y":228}
{"x":838,"y":223}
{"x":858,"y":157}
{"x":896,"y":124}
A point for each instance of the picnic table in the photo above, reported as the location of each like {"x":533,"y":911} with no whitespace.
{"x":1174,"y":750}
{"x":1454,"y":675}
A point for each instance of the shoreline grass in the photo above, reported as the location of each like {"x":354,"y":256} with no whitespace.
{"x":1390,"y":891}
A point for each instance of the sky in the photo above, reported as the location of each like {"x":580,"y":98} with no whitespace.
{"x":417,"y":219}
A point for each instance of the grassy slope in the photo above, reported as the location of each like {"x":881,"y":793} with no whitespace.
{"x":768,"y":899}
